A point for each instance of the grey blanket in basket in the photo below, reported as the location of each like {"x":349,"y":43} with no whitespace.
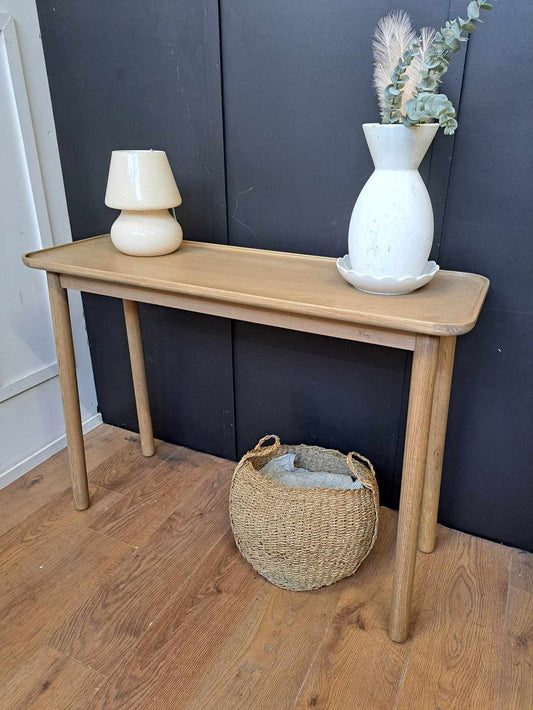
{"x":282,"y":470}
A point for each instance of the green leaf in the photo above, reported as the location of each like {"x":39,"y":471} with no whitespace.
{"x":428,"y":83}
{"x":453,"y":44}
{"x":473,"y":10}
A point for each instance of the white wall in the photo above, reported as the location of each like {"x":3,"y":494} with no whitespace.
{"x":33,"y":214}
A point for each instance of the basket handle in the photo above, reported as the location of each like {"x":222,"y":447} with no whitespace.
{"x":260,"y":449}
{"x":259,"y":446}
{"x":367,"y":476}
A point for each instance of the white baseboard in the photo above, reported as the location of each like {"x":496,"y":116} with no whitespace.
{"x":46,"y":452}
{"x":28,"y":381}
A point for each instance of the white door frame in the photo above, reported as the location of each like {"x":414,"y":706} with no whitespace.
{"x":35,"y":132}
{"x":10,"y":49}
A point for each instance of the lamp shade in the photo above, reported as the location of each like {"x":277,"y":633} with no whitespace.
{"x":141,"y":180}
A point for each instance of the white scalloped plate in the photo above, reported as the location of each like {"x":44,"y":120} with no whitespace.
{"x":385,"y":285}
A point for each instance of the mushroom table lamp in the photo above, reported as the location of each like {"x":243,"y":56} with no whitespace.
{"x":141,"y":184}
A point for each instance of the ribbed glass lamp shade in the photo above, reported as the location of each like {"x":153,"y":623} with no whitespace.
{"x":141,"y":180}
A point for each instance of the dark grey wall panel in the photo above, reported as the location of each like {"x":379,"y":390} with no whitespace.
{"x":487,"y":483}
{"x":135,"y":75}
{"x":297,"y":88}
{"x":188,"y":367}
{"x":319,"y":390}
{"x":129,"y":74}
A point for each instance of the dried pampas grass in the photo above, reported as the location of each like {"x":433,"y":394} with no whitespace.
{"x":393,"y":35}
{"x":427,"y":34}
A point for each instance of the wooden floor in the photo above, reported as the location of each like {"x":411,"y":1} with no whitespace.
{"x":143,"y":601}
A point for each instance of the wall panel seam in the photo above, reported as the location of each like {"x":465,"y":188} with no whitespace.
{"x":450,"y":170}
{"x":223,"y":117}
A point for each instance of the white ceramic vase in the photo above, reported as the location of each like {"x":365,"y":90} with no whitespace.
{"x":391,"y":228}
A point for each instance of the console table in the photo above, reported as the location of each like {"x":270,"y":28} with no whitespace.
{"x":292,"y":291}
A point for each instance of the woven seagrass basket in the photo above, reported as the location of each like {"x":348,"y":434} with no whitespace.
{"x":303,"y":538}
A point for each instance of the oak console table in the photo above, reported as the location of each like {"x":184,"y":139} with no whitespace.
{"x":292,"y":291}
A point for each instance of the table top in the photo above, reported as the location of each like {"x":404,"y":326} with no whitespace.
{"x":294,"y":283}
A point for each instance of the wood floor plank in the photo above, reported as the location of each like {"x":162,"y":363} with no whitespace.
{"x":521,"y":572}
{"x":516,"y":678}
{"x":157,"y":491}
{"x":454,"y":660}
{"x":34,"y":489}
{"x":128,"y":467}
{"x":58,"y":516}
{"x":265,"y":660}
{"x":356,"y":650}
{"x":120,"y":611}
{"x":48,"y":680}
{"x":105,"y":440}
{"x":49,"y":586}
{"x":187,"y":638}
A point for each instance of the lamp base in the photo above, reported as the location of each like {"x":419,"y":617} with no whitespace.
{"x":146,"y":233}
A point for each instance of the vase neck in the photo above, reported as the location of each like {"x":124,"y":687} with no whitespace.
{"x":395,"y":147}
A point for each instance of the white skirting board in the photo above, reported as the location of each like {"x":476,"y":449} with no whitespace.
{"x":45,"y":453}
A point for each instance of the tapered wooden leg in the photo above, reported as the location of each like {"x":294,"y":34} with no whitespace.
{"x":133,"y":329}
{"x":437,"y":438}
{"x":69,"y":390}
{"x":414,"y":464}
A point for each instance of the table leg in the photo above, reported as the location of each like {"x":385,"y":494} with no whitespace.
{"x":437,"y":438}
{"x":414,"y":464}
{"x":69,"y":390}
{"x":138,"y":370}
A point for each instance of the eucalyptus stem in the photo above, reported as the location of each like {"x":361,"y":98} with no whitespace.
{"x":427,"y":104}
{"x":448,"y":41}
{"x":392,"y":106}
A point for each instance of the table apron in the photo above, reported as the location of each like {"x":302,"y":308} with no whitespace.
{"x":251,"y":314}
